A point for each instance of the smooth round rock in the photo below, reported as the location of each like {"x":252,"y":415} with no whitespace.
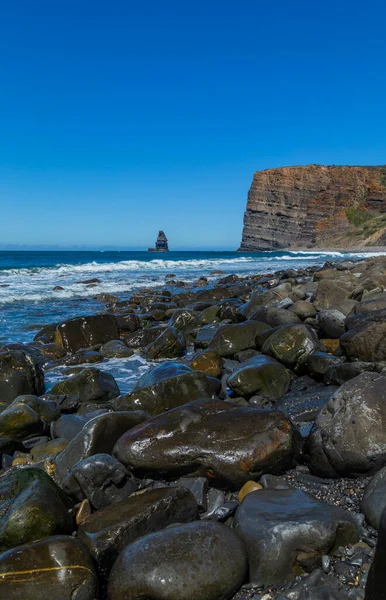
{"x":287,"y":531}
{"x":198,"y":561}
{"x":57,"y":568}
{"x":348,"y":438}
{"x":225,"y":442}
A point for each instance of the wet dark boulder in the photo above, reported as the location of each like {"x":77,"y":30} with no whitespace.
{"x":47,"y":333}
{"x":19,"y":374}
{"x":260,"y":375}
{"x":349,"y":434}
{"x":199,"y":561}
{"x":331,"y":323}
{"x":142,"y":337}
{"x":338,"y":374}
{"x":68,"y":426}
{"x":207,"y":362}
{"x":291,"y":345}
{"x":304,"y":400}
{"x":205,"y":336}
{"x":318,"y":586}
{"x":262,"y":297}
{"x":82,"y":357}
{"x":56,"y":568}
{"x":47,"y":409}
{"x":227,"y":443}
{"x":31,"y":507}
{"x":170,"y":344}
{"x":108,"y":531}
{"x":83,"y":332}
{"x":97,"y":436}
{"x":165,"y":370}
{"x":128,"y":323}
{"x":365,"y":342}
{"x":116,"y":349}
{"x":303,"y":309}
{"x":330,"y":293}
{"x":286,"y":531}
{"x":374,"y":498}
{"x":184,"y":319}
{"x":100,"y":478}
{"x":18,"y":421}
{"x":230,"y":339}
{"x":376,"y":581}
{"x":274,"y":317}
{"x":318,"y":363}
{"x":168,"y":390}
{"x":90,"y":385}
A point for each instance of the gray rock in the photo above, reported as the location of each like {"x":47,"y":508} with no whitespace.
{"x":374,"y":498}
{"x":108,"y":531}
{"x":56,"y":568}
{"x":284,"y":530}
{"x":349,"y":437}
{"x":331,"y":323}
{"x":101,"y":479}
{"x":228,"y":443}
{"x":199,"y":561}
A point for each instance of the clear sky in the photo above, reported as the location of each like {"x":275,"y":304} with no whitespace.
{"x":119,"y":118}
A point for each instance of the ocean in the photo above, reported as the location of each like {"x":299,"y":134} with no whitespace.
{"x":28,"y":299}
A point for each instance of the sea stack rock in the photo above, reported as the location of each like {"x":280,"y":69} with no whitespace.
{"x":315,"y":207}
{"x":161,"y":244}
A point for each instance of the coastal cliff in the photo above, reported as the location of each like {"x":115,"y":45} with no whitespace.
{"x":315,"y":207}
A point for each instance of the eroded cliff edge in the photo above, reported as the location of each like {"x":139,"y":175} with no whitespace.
{"x":316,"y":207}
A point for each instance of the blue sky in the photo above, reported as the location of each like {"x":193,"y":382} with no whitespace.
{"x":121,"y":118}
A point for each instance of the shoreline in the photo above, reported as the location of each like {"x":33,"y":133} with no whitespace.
{"x":236,"y":363}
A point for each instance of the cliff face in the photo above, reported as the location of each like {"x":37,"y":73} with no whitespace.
{"x":314,"y":207}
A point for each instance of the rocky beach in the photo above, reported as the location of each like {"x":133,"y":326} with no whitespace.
{"x":247,"y":460}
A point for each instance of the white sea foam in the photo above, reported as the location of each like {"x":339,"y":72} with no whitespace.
{"x":36,"y":284}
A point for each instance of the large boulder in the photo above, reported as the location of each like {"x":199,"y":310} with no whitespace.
{"x":303,"y":309}
{"x":227,"y":443}
{"x":286,"y":531}
{"x":261,"y":297}
{"x":167,"y":386}
{"x":170,"y":344}
{"x":349,"y":434}
{"x":32,"y":507}
{"x":184,"y":319}
{"x":18,"y":421}
{"x":207,"y":362}
{"x":142,"y":337}
{"x":291,"y":345}
{"x":100,"y":478}
{"x":199,"y":561}
{"x":90,"y":385}
{"x":230,"y":339}
{"x":47,"y":409}
{"x":108,"y":531}
{"x":83,"y":332}
{"x":330,"y":293}
{"x":374,"y":498}
{"x":331,"y":323}
{"x":19,"y":374}
{"x":365,"y":342}
{"x":274,"y":316}
{"x":97,"y":436}
{"x":260,"y":375}
{"x":57,"y":568}
{"x":318,"y":586}
{"x":376,"y":581}
{"x":304,"y":400}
